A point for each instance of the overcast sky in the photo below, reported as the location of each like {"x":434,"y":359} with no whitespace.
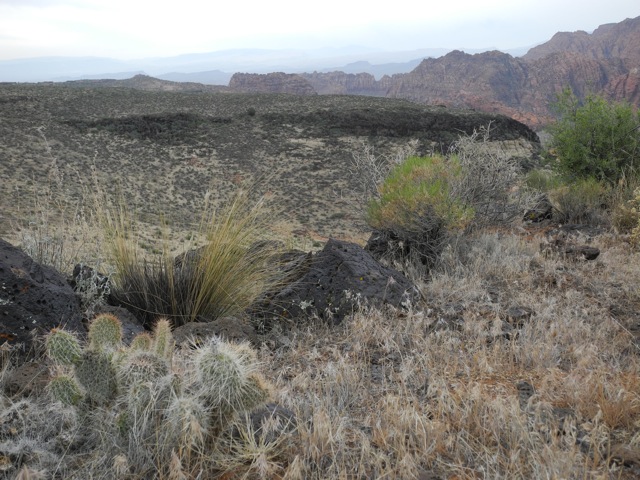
{"x":127,"y":29}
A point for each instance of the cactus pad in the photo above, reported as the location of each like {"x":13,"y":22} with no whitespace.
{"x":96,"y":374}
{"x":65,"y":389}
{"x":63,"y":347}
{"x":105,"y":332}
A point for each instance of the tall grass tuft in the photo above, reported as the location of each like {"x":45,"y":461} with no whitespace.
{"x":221,"y":278}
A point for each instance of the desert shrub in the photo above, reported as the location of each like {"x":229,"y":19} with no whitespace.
{"x":489,"y":180}
{"x":417,"y":205}
{"x":419,"y":186}
{"x":595,"y":138}
{"x":368,"y":170}
{"x":424,"y":202}
{"x":148,"y":402}
{"x":221,"y":278}
{"x":588,"y":200}
{"x":542,"y":180}
{"x":582,"y":201}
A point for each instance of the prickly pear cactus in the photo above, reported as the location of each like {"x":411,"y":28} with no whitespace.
{"x":97,"y":375}
{"x":228,"y":379}
{"x":65,"y":389}
{"x":163,"y":343}
{"x":105,"y":333}
{"x":63,"y":347}
{"x":141,"y":342}
{"x":141,"y":366}
{"x":153,"y":399}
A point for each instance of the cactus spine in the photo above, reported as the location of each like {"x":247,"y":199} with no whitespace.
{"x":96,"y":374}
{"x":228,"y":379}
{"x":141,"y":342}
{"x":163,"y":343}
{"x":142,"y":367}
{"x":154,"y":404}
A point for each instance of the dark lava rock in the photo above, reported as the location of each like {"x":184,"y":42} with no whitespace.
{"x":86,"y":279}
{"x":518,"y":315}
{"x":333,"y":283}
{"x":543,"y":210}
{"x":562,"y":241}
{"x":33,"y":299}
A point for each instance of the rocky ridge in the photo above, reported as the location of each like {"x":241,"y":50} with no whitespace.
{"x":604,"y":62}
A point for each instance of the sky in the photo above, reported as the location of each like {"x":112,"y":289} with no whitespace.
{"x":130,"y":29}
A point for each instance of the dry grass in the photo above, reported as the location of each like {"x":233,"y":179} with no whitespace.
{"x":455,"y":388}
{"x":396,"y":395}
{"x":59,"y":228}
{"x":458,"y":387}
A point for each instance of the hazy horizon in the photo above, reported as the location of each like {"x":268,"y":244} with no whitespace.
{"x":125,"y":30}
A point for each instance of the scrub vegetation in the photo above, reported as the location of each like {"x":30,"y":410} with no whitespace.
{"x":518,"y":361}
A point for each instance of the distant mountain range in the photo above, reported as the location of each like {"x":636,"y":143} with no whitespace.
{"x":216,"y":68}
{"x":606,"y":62}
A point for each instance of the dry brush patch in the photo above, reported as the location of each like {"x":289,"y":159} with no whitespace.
{"x":395,"y":395}
{"x":455,"y":388}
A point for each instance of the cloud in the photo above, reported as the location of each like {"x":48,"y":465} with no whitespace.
{"x":134,"y":28}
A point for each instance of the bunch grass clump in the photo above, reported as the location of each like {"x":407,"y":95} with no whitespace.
{"x":580,"y":201}
{"x":635,"y":210}
{"x":221,"y":278}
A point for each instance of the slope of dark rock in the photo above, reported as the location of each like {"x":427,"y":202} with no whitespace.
{"x":33,"y":299}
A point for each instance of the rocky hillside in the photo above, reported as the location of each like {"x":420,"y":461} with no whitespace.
{"x":145,"y":82}
{"x":604,"y":62}
{"x":497,"y":82}
{"x":349,"y":83}
{"x":166,"y":149}
{"x":613,"y":40}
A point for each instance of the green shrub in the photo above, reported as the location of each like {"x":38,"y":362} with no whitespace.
{"x":542,"y":180}
{"x":420,"y":188}
{"x":416,"y":207}
{"x":595,"y":138}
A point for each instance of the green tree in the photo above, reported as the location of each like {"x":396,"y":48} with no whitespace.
{"x":595,"y":138}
